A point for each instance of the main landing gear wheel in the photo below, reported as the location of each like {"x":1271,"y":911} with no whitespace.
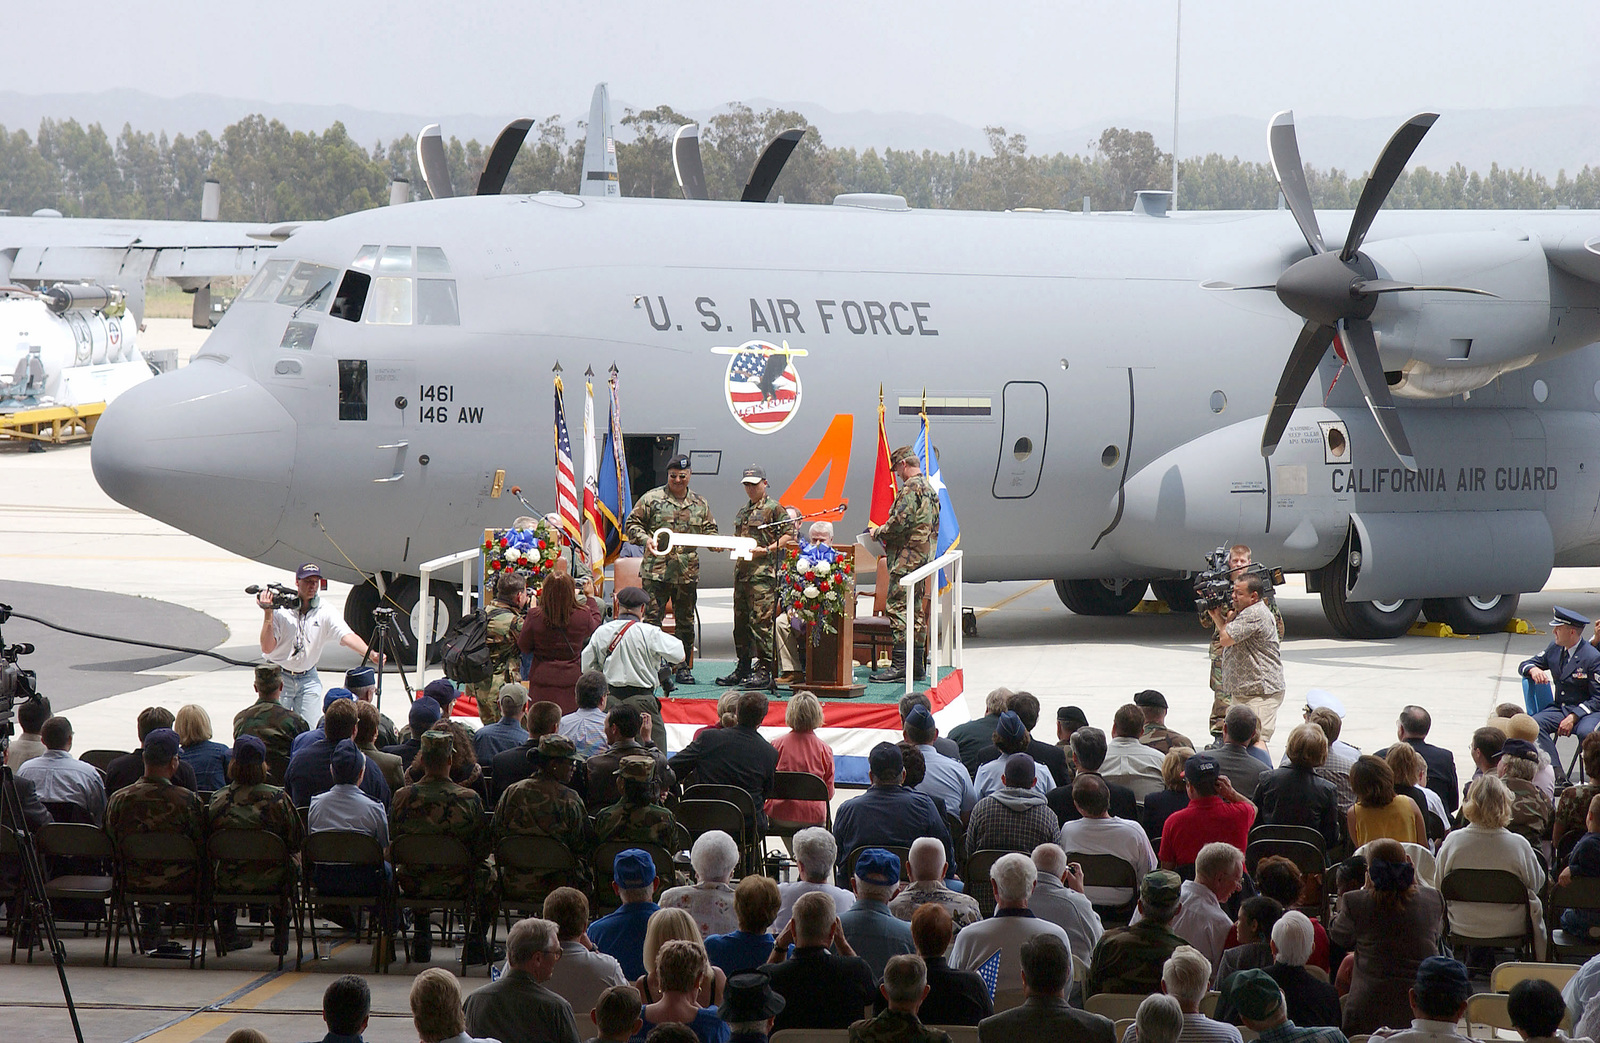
{"x":444,"y":606}
{"x":1363,"y":620}
{"x":1177,"y":593}
{"x":1101,"y":597}
{"x":1483,"y":614}
{"x":358,"y":606}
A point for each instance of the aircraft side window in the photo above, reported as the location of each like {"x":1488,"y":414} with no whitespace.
{"x":268,"y":281}
{"x":352,"y":389}
{"x":366,"y":259}
{"x":431,"y":260}
{"x":389,"y":302}
{"x":352,"y":296}
{"x":309,"y":286}
{"x":436,"y":303}
{"x":395,"y":259}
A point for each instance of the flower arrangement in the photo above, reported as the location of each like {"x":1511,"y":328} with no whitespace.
{"x":530,"y":553}
{"x":816,"y":591}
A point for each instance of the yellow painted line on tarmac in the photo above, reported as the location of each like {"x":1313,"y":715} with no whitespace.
{"x":190,"y":1029}
{"x":1003,"y":602}
{"x":255,"y":997}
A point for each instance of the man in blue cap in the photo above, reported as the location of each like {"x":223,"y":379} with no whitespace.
{"x":363,"y":685}
{"x":875,"y":933}
{"x":620,"y":935}
{"x":1571,"y":666}
{"x":424,"y":712}
{"x":308,"y":769}
{"x":887,"y":814}
{"x":1010,"y":736}
{"x":944,"y":778}
{"x":1438,"y":1002}
{"x":155,"y":805}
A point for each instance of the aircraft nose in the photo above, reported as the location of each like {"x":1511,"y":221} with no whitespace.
{"x":206,"y":449}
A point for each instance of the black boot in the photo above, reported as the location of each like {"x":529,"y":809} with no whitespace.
{"x":760,"y":677}
{"x":740,"y":673}
{"x":919,"y":663}
{"x":895,"y":671}
{"x":684,"y":675}
{"x":421,"y":941}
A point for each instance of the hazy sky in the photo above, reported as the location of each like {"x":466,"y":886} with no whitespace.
{"x":1041,"y":65}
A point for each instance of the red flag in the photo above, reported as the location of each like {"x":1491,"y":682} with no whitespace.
{"x":882,"y":476}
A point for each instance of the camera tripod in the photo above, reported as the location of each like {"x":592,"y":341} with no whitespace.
{"x":386,"y":644}
{"x":35,"y":904}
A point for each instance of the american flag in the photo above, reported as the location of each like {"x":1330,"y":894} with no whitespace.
{"x":566,"y":485}
{"x":989,"y":971}
{"x":752,"y":405}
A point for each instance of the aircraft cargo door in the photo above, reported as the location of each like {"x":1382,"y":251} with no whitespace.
{"x":1024,"y":421}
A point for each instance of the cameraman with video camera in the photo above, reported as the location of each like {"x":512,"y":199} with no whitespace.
{"x":1238,"y":560}
{"x":294,"y":635}
{"x":1247,"y":634}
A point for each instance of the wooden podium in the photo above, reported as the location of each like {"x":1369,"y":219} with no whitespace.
{"x":830,"y":662}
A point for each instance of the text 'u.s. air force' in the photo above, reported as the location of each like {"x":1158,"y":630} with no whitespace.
{"x":784,"y":316}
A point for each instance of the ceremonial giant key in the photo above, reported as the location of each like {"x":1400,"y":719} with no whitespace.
{"x":738,"y":547}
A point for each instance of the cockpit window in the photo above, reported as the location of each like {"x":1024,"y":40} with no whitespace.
{"x":431,"y":259}
{"x":389,"y":302}
{"x":436,"y":303}
{"x":395,"y":259}
{"x":268,"y":281}
{"x":310,"y":286}
{"x":366,"y":260}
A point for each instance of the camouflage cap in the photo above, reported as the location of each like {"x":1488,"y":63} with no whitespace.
{"x":557,"y":747}
{"x":268,"y":676}
{"x":904,"y":455}
{"x":1161,"y":888}
{"x":1253,"y":993}
{"x":435,"y":743}
{"x":640,"y":768}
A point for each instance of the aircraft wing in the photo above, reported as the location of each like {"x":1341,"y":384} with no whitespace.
{"x":49,"y":249}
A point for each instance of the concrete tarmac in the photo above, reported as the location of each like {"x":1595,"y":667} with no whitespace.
{"x":71,"y":555}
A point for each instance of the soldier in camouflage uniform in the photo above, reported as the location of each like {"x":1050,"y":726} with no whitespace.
{"x":1156,"y":734}
{"x":637,"y":818}
{"x":908,"y":538}
{"x":269,"y":720}
{"x":1130,"y":960}
{"x":755,"y":582}
{"x":435,"y":806}
{"x":673,"y":576}
{"x":505,"y":620}
{"x":905,"y":983}
{"x":155,"y":805}
{"x":249,"y":802}
{"x":545,"y":806}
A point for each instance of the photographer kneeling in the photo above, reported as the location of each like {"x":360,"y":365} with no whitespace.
{"x":1252,"y":670}
{"x":294,"y":638}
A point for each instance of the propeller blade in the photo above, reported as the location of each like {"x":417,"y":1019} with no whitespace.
{"x":1218,"y":284}
{"x":686,"y":162}
{"x":435,"y":167}
{"x":504,"y":153}
{"x":770,"y":165}
{"x":1390,"y":286}
{"x":1391,"y":162}
{"x":1291,"y":174}
{"x":1304,"y":358}
{"x":1362,"y":348}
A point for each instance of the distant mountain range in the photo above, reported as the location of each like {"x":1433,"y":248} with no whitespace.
{"x":1545,"y":140}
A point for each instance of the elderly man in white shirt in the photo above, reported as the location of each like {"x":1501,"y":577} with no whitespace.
{"x":1098,"y":832}
{"x":815,"y":851}
{"x":1130,"y":762}
{"x":1012,"y":924}
{"x":62,"y":778}
{"x":1058,"y":897}
{"x":1218,"y":872}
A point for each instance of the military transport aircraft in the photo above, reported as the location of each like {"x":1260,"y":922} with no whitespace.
{"x":1112,"y":395}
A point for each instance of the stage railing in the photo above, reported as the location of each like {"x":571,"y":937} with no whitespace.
{"x":930,"y":572}
{"x":421,"y":625}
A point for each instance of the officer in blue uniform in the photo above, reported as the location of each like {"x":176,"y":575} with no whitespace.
{"x":1571,"y":666}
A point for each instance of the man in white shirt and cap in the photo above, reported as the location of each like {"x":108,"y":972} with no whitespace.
{"x":630,"y":653}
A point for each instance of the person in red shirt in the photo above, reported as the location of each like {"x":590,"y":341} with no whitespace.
{"x":1216,"y":812}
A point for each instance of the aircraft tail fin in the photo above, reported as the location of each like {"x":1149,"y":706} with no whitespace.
{"x":600,"y":149}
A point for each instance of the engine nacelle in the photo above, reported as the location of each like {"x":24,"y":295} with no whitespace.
{"x":1445,"y":343}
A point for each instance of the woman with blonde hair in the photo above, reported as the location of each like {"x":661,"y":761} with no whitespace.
{"x":1392,"y":924}
{"x":1172,"y":796}
{"x":799,"y":749}
{"x":195,"y":748}
{"x":682,"y":968}
{"x":670,"y":925}
{"x":1486,"y":843}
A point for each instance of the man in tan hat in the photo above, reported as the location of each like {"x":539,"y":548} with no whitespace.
{"x":908,"y":538}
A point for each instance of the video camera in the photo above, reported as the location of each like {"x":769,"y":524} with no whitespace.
{"x":15,"y":682}
{"x":1213,"y":588}
{"x":282,"y":596}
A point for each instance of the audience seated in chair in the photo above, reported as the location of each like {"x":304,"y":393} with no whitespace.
{"x":955,"y":997}
{"x":1015,"y":817}
{"x":905,"y":986}
{"x":675,"y":925}
{"x":1045,"y":967}
{"x":1129,"y":760}
{"x":927,"y":886}
{"x":1218,"y":873}
{"x":1059,"y":897}
{"x":1097,"y":832}
{"x":709,"y":900}
{"x":1129,"y":960}
{"x":875,"y":933}
{"x":520,"y":1007}
{"x":621,"y":934}
{"x":1295,"y":795}
{"x":583,"y":973}
{"x":1185,"y":977}
{"x":1012,"y":924}
{"x":60,"y":778}
{"x":1215,"y":813}
{"x":821,"y":989}
{"x":1438,"y":999}
{"x":1393,"y":925}
{"x":1261,"y":1007}
{"x":815,"y":852}
{"x":755,"y":903}
{"x":887,"y":814}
